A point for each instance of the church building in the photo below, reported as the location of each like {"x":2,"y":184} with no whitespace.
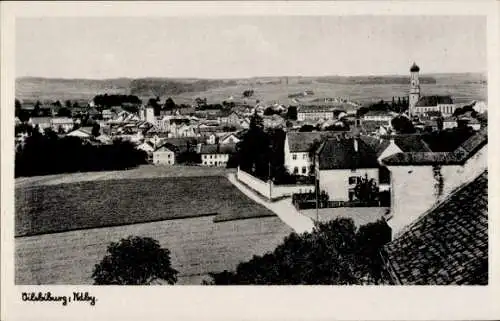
{"x":422,"y":104}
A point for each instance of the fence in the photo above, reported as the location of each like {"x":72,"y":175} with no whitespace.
{"x":270,"y":190}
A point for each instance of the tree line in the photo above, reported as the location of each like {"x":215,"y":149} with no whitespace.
{"x":108,"y":101}
{"x":51,"y":154}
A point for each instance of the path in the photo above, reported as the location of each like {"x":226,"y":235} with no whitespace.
{"x":283,"y":208}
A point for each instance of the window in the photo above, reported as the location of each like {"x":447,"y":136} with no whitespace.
{"x":352,"y":195}
{"x":353,"y":180}
{"x":304,"y":156}
{"x":304,"y":170}
{"x":295,"y":170}
{"x":294,"y":156}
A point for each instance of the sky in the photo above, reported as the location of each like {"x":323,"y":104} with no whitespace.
{"x":237,"y":47}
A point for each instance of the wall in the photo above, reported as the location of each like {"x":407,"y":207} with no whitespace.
{"x":414,"y":188}
{"x":254,"y":183}
{"x":336,"y":182}
{"x":273,"y":191}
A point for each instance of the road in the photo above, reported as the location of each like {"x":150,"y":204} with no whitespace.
{"x":283,"y":208}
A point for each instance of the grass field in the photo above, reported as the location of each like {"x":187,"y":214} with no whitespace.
{"x":91,"y":204}
{"x":198,"y":246}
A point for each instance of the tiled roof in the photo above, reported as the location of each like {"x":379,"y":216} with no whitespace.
{"x":340,"y":153}
{"x":429,"y":101}
{"x":40,"y":120}
{"x":411,"y":143}
{"x":370,"y":126}
{"x":457,"y":157}
{"x":221,"y":149}
{"x":302,"y":141}
{"x":447,"y":245}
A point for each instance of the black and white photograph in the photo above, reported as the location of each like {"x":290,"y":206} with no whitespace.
{"x":249,"y":149}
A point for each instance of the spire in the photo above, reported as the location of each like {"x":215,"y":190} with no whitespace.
{"x":414,"y":68}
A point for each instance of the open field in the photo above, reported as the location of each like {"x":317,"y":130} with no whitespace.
{"x":143,"y":171}
{"x":101,"y":203}
{"x":198,"y":246}
{"x":462,"y":87}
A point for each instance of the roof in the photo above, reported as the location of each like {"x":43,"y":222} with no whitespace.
{"x":302,"y":141}
{"x":459,"y":156}
{"x":340,"y":153}
{"x":411,"y":143}
{"x":378,"y":113}
{"x":40,"y":120}
{"x":61,"y":120}
{"x":371,"y":126}
{"x":414,"y":68}
{"x":222,"y":149}
{"x":429,"y":101}
{"x":314,"y":109}
{"x":448,"y":244}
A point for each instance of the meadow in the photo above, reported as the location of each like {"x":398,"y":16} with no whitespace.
{"x":102,"y":203}
{"x":198,"y":246}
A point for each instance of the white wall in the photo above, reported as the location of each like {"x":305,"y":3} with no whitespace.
{"x":214,"y":159}
{"x":253,"y":182}
{"x":336,"y":181}
{"x":288,"y":190}
{"x":413,"y":188}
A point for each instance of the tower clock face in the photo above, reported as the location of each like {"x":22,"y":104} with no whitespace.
{"x":413,"y":82}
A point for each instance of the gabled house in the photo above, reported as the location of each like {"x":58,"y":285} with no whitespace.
{"x":421,"y":179}
{"x":146,"y":146}
{"x":164,"y":155}
{"x":216,"y":154}
{"x":341,"y":163}
{"x":229,"y":138}
{"x":298,"y":151}
{"x":447,"y":245}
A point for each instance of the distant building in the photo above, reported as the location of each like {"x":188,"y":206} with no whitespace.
{"x":164,"y":155}
{"x":42,"y":122}
{"x":65,"y":123}
{"x":216,"y":154}
{"x":298,"y":150}
{"x":378,"y":115}
{"x":315,"y":113}
{"x":422,"y":104}
{"x":82,"y":132}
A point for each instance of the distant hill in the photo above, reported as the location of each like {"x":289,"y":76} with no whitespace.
{"x":186,"y":89}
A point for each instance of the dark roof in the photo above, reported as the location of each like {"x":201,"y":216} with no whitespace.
{"x":221,"y":149}
{"x":448,"y":244}
{"x":340,"y":153}
{"x":302,"y":141}
{"x":411,"y":143}
{"x":370,"y":126}
{"x":429,"y":101}
{"x":414,"y":68}
{"x":459,"y":156}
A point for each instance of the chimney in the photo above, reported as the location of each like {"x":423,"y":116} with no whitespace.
{"x":355,"y":144}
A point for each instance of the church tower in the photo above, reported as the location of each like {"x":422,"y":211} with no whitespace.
{"x":414,"y":89}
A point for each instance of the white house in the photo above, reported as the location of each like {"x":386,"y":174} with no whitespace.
{"x":298,"y":150}
{"x":229,"y":138}
{"x":148,"y":147}
{"x":216,"y":155}
{"x":164,"y":155}
{"x":449,"y":122}
{"x":41,"y":122}
{"x":314,"y":113}
{"x":65,"y":123}
{"x":421,"y":179}
{"x":342,"y":162}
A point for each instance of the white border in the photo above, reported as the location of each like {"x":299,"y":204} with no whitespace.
{"x":242,"y":303}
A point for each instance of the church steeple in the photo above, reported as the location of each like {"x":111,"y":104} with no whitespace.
{"x":414,"y":94}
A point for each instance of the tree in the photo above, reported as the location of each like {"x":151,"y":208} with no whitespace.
{"x":402,"y":125}
{"x":64,"y":112}
{"x":57,"y":103}
{"x":96,"y":130}
{"x":135,"y":261}
{"x":291,"y":113}
{"x":154,"y":102}
{"x":248,"y":93}
{"x":306,"y":128}
{"x":440,"y":123}
{"x":366,"y":190}
{"x":67,"y":104}
{"x":169,"y":104}
{"x":335,"y":253}
{"x":36,"y":109}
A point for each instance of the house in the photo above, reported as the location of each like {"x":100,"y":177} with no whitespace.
{"x":480,"y":107}
{"x":372,"y":127}
{"x":104,"y":139}
{"x":378,"y":115}
{"x":222,"y":138}
{"x":274,"y":121}
{"x":421,"y":179}
{"x":299,"y":149}
{"x":63,"y":123}
{"x":341,"y":162}
{"x":314,"y":113}
{"x":402,"y":144}
{"x":449,"y":122}
{"x":42,"y":122}
{"x":164,"y":155}
{"x":448,"y":244}
{"x":108,"y":114}
{"x":146,"y":146}
{"x":228,"y":118}
{"x":82,"y":132}
{"x":216,"y":154}
{"x":244,"y":123}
